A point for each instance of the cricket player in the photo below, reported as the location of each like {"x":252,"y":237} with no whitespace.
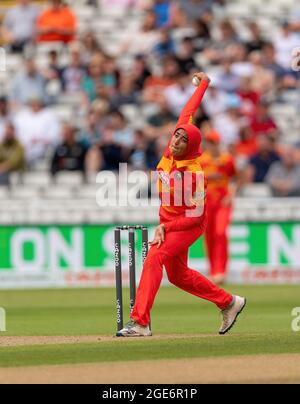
{"x":223,"y":183}
{"x":180,"y":227}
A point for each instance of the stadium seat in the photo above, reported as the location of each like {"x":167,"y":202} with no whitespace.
{"x":257,"y":191}
{"x":58,"y":192}
{"x":37,"y":179}
{"x":25,"y":193}
{"x":69,"y":178}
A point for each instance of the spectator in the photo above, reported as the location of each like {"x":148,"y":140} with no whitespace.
{"x":228,"y":80}
{"x":144,"y":41}
{"x":38,"y":130}
{"x":126,"y":93}
{"x":28,"y":84}
{"x":230,"y":123}
{"x":215,"y":101}
{"x":178,"y":94}
{"x":165,"y":45}
{"x":263,"y":80}
{"x":11,"y":154}
{"x":202,"y":37}
{"x":262,"y":122}
{"x":70,"y":154}
{"x":58,"y":23}
{"x":93,"y":79}
{"x":259,"y":165}
{"x":90,"y":134}
{"x":122,"y":133}
{"x":256,"y":43}
{"x":284,"y":176}
{"x":285,"y":42}
{"x":156,"y":84}
{"x":5,"y":117}
{"x":74,"y":73}
{"x":249,"y":97}
{"x":140,"y":72}
{"x":185,"y":56}
{"x":162,"y":9}
{"x":195,"y":9}
{"x":90,"y":46}
{"x":53,"y":72}
{"x":19,"y":25}
{"x":270,"y":63}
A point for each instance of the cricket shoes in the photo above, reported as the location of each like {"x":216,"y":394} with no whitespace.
{"x":231,"y":313}
{"x":133,"y":329}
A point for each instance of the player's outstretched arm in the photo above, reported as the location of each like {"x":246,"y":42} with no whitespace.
{"x":194,"y":102}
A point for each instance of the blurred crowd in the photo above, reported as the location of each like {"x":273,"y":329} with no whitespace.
{"x":174,"y":40}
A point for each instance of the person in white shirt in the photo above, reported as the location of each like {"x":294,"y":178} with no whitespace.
{"x":284,"y":44}
{"x":38,"y":129}
{"x":178,"y":94}
{"x":19,"y":25}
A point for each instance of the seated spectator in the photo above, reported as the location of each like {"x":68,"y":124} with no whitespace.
{"x":165,"y":45}
{"x":285,"y":42}
{"x":53,"y":71}
{"x":215,"y":100}
{"x":162,"y":9}
{"x":70,"y":154}
{"x":92,"y":79}
{"x":143,"y":41}
{"x":122,"y":133}
{"x":263,"y":80}
{"x":269,"y":60}
{"x":19,"y":23}
{"x":126,"y":94}
{"x":58,"y":23}
{"x":230,"y":123}
{"x":11,"y":154}
{"x":161,"y":122}
{"x":74,"y":73}
{"x":27,"y":84}
{"x":90,"y":46}
{"x":5,"y":117}
{"x":250,"y":98}
{"x":202,"y":36}
{"x":156,"y":84}
{"x":185,"y":55}
{"x":227,"y":79}
{"x":140,"y":72}
{"x":178,"y":94}
{"x":195,"y":9}
{"x":256,"y":43}
{"x":259,"y":165}
{"x":38,"y":130}
{"x":262,"y":122}
{"x":284,"y":176}
{"x":97,"y":121}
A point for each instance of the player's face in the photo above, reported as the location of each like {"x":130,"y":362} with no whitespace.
{"x":179,"y":143}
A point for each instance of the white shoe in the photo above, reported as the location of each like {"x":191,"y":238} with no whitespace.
{"x":231,"y":313}
{"x":133,"y":329}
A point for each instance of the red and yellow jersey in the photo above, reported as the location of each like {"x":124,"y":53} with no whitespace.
{"x":219,"y":172}
{"x":182,"y":186}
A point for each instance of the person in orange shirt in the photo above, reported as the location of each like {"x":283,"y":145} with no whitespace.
{"x":56,"y":24}
{"x":219,"y":168}
{"x":181,"y":224}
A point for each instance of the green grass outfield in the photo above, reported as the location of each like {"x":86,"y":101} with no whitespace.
{"x":265,"y":326}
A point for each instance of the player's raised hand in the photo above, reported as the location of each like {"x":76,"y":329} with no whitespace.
{"x":198,"y":77}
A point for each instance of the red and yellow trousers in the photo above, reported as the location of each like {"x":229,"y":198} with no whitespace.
{"x":173,"y":255}
{"x":216,"y":236}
